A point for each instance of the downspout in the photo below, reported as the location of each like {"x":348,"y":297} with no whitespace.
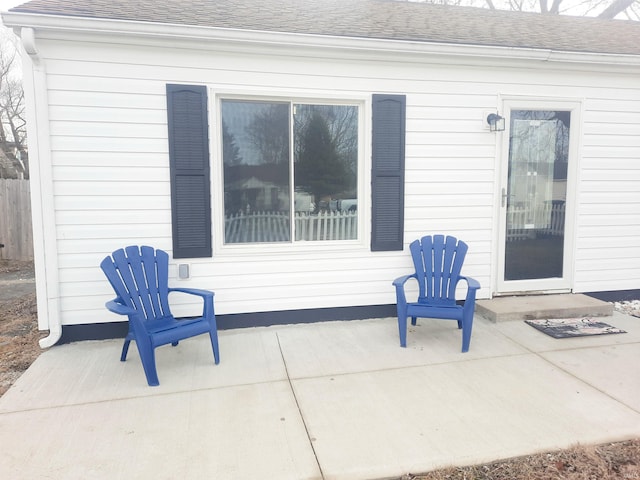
{"x":41,"y":177}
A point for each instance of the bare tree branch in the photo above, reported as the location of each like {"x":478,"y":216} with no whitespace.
{"x":633,"y":12}
{"x":13,"y":133}
{"x":543,"y":6}
{"x":555,"y":7}
{"x":615,"y":8}
{"x":610,"y":8}
{"x":516,"y":5}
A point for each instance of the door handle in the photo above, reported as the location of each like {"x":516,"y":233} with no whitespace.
{"x":505,"y":196}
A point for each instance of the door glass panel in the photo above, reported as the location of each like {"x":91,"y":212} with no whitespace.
{"x":536,"y":194}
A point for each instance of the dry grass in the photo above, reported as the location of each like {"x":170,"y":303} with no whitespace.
{"x":19,"y":333}
{"x":611,"y":461}
{"x":19,"y":337}
{"x":9,"y":266}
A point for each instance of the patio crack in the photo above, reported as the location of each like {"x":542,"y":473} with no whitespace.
{"x":295,"y":397}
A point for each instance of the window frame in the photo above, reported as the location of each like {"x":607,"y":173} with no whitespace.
{"x":361,"y":102}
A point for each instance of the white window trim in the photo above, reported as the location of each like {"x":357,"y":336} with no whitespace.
{"x":220,"y":249}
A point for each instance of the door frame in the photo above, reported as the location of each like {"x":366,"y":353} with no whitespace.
{"x":543,"y":285}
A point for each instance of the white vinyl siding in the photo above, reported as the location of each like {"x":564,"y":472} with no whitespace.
{"x":608,"y":236}
{"x":109,"y":152}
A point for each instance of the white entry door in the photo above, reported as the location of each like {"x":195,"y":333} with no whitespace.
{"x":536,"y":198}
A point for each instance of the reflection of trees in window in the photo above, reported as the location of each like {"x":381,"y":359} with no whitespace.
{"x":319,"y":168}
{"x":562,"y":120}
{"x":562,"y":145}
{"x":230,"y":151}
{"x":268,"y":131}
{"x":326,"y":151}
{"x":255,"y":152}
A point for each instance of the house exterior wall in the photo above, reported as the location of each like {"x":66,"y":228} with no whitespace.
{"x":608,"y":224}
{"x":109,"y":166}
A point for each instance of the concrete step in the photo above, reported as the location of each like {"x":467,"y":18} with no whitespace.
{"x":532,"y":307}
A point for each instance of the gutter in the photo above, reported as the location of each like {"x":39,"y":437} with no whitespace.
{"x":43,"y":213}
{"x":355,"y":45}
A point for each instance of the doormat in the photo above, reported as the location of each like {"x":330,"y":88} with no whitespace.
{"x":573,"y":327}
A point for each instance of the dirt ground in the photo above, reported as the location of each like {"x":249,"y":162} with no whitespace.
{"x":19,"y":333}
{"x":611,"y":461}
{"x":19,"y":347}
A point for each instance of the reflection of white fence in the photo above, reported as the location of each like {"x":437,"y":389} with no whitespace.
{"x":326,"y":226}
{"x":523,"y":222}
{"x":274,"y":226}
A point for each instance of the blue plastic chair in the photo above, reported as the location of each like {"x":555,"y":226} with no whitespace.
{"x":438,"y":262}
{"x":139,"y":276}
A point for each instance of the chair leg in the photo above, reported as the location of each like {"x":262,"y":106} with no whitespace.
{"x":125,"y":349}
{"x":466,"y":333}
{"x":148,"y":359}
{"x":414,"y":320}
{"x":213,"y":334}
{"x":174,"y":344}
{"x":402,"y":329}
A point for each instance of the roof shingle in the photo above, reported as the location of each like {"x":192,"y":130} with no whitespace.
{"x":378,"y":19}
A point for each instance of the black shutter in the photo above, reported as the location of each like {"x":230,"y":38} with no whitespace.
{"x":189,"y":169}
{"x":387,"y":178}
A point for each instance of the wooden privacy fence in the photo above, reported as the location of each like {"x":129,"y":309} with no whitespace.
{"x":15,"y":220}
{"x":275,"y":226}
{"x":546,"y":219}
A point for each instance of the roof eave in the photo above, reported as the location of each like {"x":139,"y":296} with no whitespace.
{"x":58,"y":23}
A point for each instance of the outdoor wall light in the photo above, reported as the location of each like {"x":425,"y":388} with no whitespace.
{"x":496,"y":122}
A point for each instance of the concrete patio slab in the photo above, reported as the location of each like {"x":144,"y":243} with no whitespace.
{"x":380,"y":424}
{"x":614,"y":369}
{"x":225,"y":433}
{"x":338,"y":400}
{"x":86,"y":372}
{"x":335,"y":348}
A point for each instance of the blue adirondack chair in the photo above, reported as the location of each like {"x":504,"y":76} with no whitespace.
{"x":438,"y":262}
{"x":139,"y":276}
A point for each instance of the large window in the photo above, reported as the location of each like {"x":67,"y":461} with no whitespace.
{"x":290,"y":171}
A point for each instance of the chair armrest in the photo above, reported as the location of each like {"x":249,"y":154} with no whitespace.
{"x":116,"y":307}
{"x":193,"y":291}
{"x":472,"y":283}
{"x":207,"y":298}
{"x":136,"y":322}
{"x":401,"y":298}
{"x":400,"y":281}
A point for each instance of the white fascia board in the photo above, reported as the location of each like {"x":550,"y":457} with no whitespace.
{"x":410,"y":51}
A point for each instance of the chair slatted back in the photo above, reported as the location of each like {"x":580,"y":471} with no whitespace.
{"x":438,"y":263}
{"x":139,"y":276}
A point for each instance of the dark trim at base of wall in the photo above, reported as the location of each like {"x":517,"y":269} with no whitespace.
{"x":104,"y":331}
{"x":616,"y":295}
{"x":95,"y":331}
